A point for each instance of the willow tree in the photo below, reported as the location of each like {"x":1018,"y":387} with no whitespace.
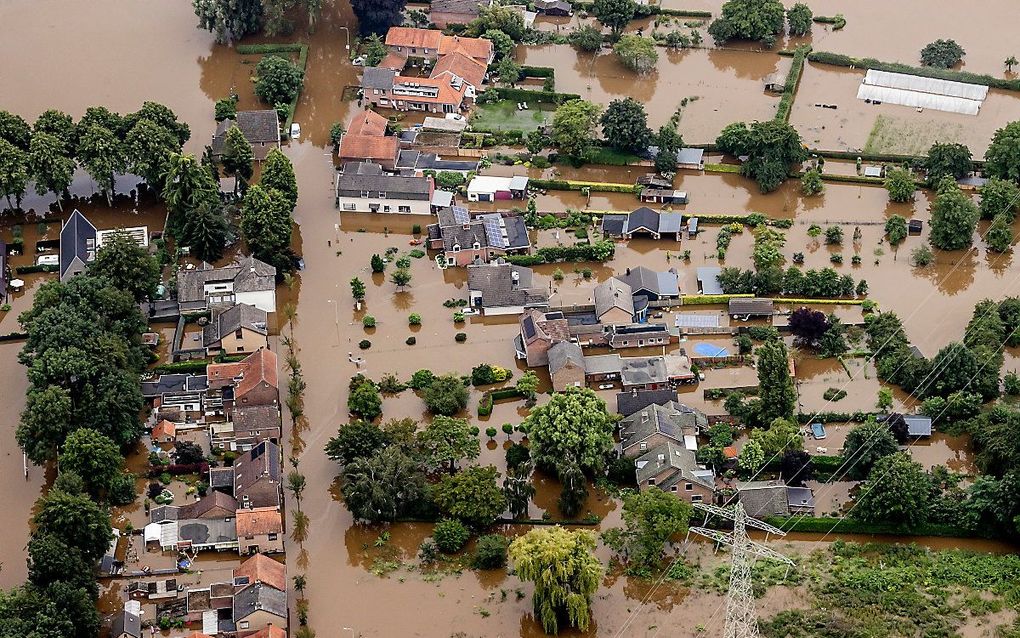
{"x":565,"y":571}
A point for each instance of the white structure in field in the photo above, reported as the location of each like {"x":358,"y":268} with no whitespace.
{"x":920,"y":92}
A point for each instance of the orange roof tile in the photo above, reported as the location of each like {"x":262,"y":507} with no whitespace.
{"x":393,"y":60}
{"x":408,"y":37}
{"x":262,"y":569}
{"x":198,"y":634}
{"x":447,"y":93}
{"x":258,"y":521}
{"x":367,"y":123}
{"x":460,"y":64}
{"x":164,"y":428}
{"x":368,"y":147}
{"x":269,"y":632}
{"x":729,"y":452}
{"x":478,"y":48}
{"x":257,"y":368}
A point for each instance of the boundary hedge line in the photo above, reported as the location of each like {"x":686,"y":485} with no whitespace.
{"x":525,"y":95}
{"x":489,"y":397}
{"x":14,"y":336}
{"x":792,"y":81}
{"x":704,"y":300}
{"x":832,"y":417}
{"x":823,"y":525}
{"x":838,"y":59}
{"x":571,"y":185}
{"x":837,"y":21}
{"x":537,"y":72}
{"x":28,"y":270}
{"x":265,"y":49}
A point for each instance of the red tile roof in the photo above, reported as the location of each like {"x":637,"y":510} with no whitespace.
{"x":368,"y":147}
{"x":367,"y":123}
{"x":462,"y":65}
{"x":478,"y":48}
{"x":269,"y":632}
{"x":259,"y":521}
{"x":257,"y":368}
{"x":408,"y":37}
{"x":163,"y":429}
{"x":393,"y":60}
{"x":262,"y":569}
{"x":447,"y":94}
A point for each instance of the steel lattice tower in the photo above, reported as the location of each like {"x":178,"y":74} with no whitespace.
{"x":741,"y":614}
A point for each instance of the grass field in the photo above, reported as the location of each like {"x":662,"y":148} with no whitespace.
{"x":897,"y":135}
{"x":504,"y":116}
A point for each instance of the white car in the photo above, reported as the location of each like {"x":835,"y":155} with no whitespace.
{"x":455,"y":116}
{"x":295,"y":131}
{"x":468,"y":312}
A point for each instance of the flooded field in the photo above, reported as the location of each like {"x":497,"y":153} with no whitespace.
{"x":721,"y":86}
{"x":887,"y":128}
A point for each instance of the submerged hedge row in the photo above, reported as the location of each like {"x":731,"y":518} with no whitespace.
{"x":838,"y":59}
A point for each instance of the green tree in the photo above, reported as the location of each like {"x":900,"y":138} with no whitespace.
{"x":205,"y":231}
{"x":15,"y":130}
{"x":508,"y":71}
{"x":13,"y":173}
{"x":1000,"y":234}
{"x":378,"y":265}
{"x":92,"y":456}
{"x":885,"y":399}
{"x":897,"y":491}
{"x":446,"y":441}
{"x":498,"y":17}
{"x":752,"y":457}
{"x":900,"y":184}
{"x":60,"y":125}
{"x":636,"y":53}
{"x":148,"y":148}
{"x":278,"y":173}
{"x":356,"y":440}
{"x":999,"y":197}
{"x":238,"y":159}
{"x":811,"y":183}
{"x":103,"y":157}
{"x":625,"y":125}
{"x":615,"y":14}
{"x":777,"y":394}
{"x":864,"y":446}
{"x":502,"y":44}
{"x":953,"y":217}
{"x":572,"y":428}
{"x":771,"y":147}
{"x":781,"y":435}
{"x":229,"y":20}
{"x":490,"y":552}
{"x":383,"y":486}
{"x":587,"y":38}
{"x":160,"y":115}
{"x":188,"y":187}
{"x":266,"y":224}
{"x":896,"y":229}
{"x":377,"y":16}
{"x":798,"y":19}
{"x":760,"y":20}
{"x":565,"y":571}
{"x":278,"y":80}
{"x":76,"y":520}
{"x":364,"y":401}
{"x":45,"y":423}
{"x":357,"y":289}
{"x":942,"y":54}
{"x":517,"y":486}
{"x":50,"y":166}
{"x":401,"y":277}
{"x":669,"y":143}
{"x":528,"y":384}
{"x":947,"y":158}
{"x":1010,"y":62}
{"x":446,"y":395}
{"x":651,"y":519}
{"x":472,"y":496}
{"x":1002,"y":159}
{"x":127,"y":266}
{"x":575,"y":128}
{"x":51,"y":560}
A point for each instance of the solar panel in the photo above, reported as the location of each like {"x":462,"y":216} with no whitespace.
{"x":529,"y":328}
{"x":461,"y":215}
{"x":493,"y":230}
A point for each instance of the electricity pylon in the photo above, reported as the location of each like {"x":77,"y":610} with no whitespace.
{"x":741,"y":616}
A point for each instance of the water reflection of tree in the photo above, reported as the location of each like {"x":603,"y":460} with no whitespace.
{"x":952,"y":272}
{"x":999,"y":263}
{"x":751,"y":65}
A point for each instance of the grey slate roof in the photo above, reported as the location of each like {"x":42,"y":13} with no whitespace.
{"x":374,"y":77}
{"x":77,"y":245}
{"x":602,"y":364}
{"x":764,"y":498}
{"x":690,"y":156}
{"x":673,"y":420}
{"x":708,"y":278}
{"x":643,"y":370}
{"x":259,"y":597}
{"x":257,"y":474}
{"x":259,"y":127}
{"x":659,"y":284}
{"x":498,"y":288}
{"x":250,"y":275}
{"x":614,"y":224}
{"x":411,"y":159}
{"x":613,"y":293}
{"x":514,"y":228}
{"x":126,"y":623}
{"x":917,"y":425}
{"x":751,"y":306}
{"x":206,"y":531}
{"x":800,"y":497}
{"x":563,"y":352}
{"x":627,"y":403}
{"x":232,"y":319}
{"x":359,"y":177}
{"x":643,"y":217}
{"x":455,"y":6}
{"x":675,"y":456}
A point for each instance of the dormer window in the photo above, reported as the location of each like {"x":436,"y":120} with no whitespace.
{"x":456,"y":248}
{"x":476,"y":245}
{"x":382,"y":194}
{"x":364,"y":193}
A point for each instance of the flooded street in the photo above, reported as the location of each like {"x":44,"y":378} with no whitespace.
{"x":160,"y":55}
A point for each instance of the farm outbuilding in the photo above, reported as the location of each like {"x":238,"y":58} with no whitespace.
{"x":920,"y":92}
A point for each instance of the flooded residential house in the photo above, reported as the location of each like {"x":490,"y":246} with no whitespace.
{"x":251,"y":281}
{"x":366,"y":139}
{"x":672,"y":467}
{"x":500,"y":288}
{"x":643,"y":222}
{"x":774,"y":498}
{"x":239,"y":328}
{"x":78,"y":245}
{"x":260,"y":128}
{"x":464,"y":240}
{"x":540,"y":331}
{"x":248,"y":398}
{"x":491,"y":188}
{"x":364,"y":187}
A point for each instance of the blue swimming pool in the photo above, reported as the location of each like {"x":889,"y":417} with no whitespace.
{"x":709,"y":350}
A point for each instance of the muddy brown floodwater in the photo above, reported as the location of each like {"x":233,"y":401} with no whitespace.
{"x":154,"y":51}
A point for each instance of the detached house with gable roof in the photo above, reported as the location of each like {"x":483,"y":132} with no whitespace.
{"x":251,"y":281}
{"x":78,"y":245}
{"x":260,"y":128}
{"x":365,"y":187}
{"x":254,"y":479}
{"x":540,"y":331}
{"x":366,"y":139}
{"x":671,"y":467}
{"x":247,"y":392}
{"x":504,"y":289}
{"x":464,"y":240}
{"x":240,"y":328}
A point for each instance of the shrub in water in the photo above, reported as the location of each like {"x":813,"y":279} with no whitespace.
{"x":450,"y":536}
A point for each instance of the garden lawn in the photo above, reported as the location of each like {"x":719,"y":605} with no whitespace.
{"x":504,"y":116}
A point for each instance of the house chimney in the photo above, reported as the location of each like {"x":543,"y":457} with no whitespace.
{"x":628,"y":272}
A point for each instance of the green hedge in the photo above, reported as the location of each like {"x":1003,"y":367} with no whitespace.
{"x":537,"y":72}
{"x":834,"y":417}
{"x":790,"y":88}
{"x":838,"y":59}
{"x":685,"y":13}
{"x":570,"y":185}
{"x":722,"y":168}
{"x":28,"y":270}
{"x":485,"y":405}
{"x":181,"y":367}
{"x":824,"y":525}
{"x":702,"y":300}
{"x":524,"y":95}
{"x":837,"y":21}
{"x":846,"y":179}
{"x":599,"y":251}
